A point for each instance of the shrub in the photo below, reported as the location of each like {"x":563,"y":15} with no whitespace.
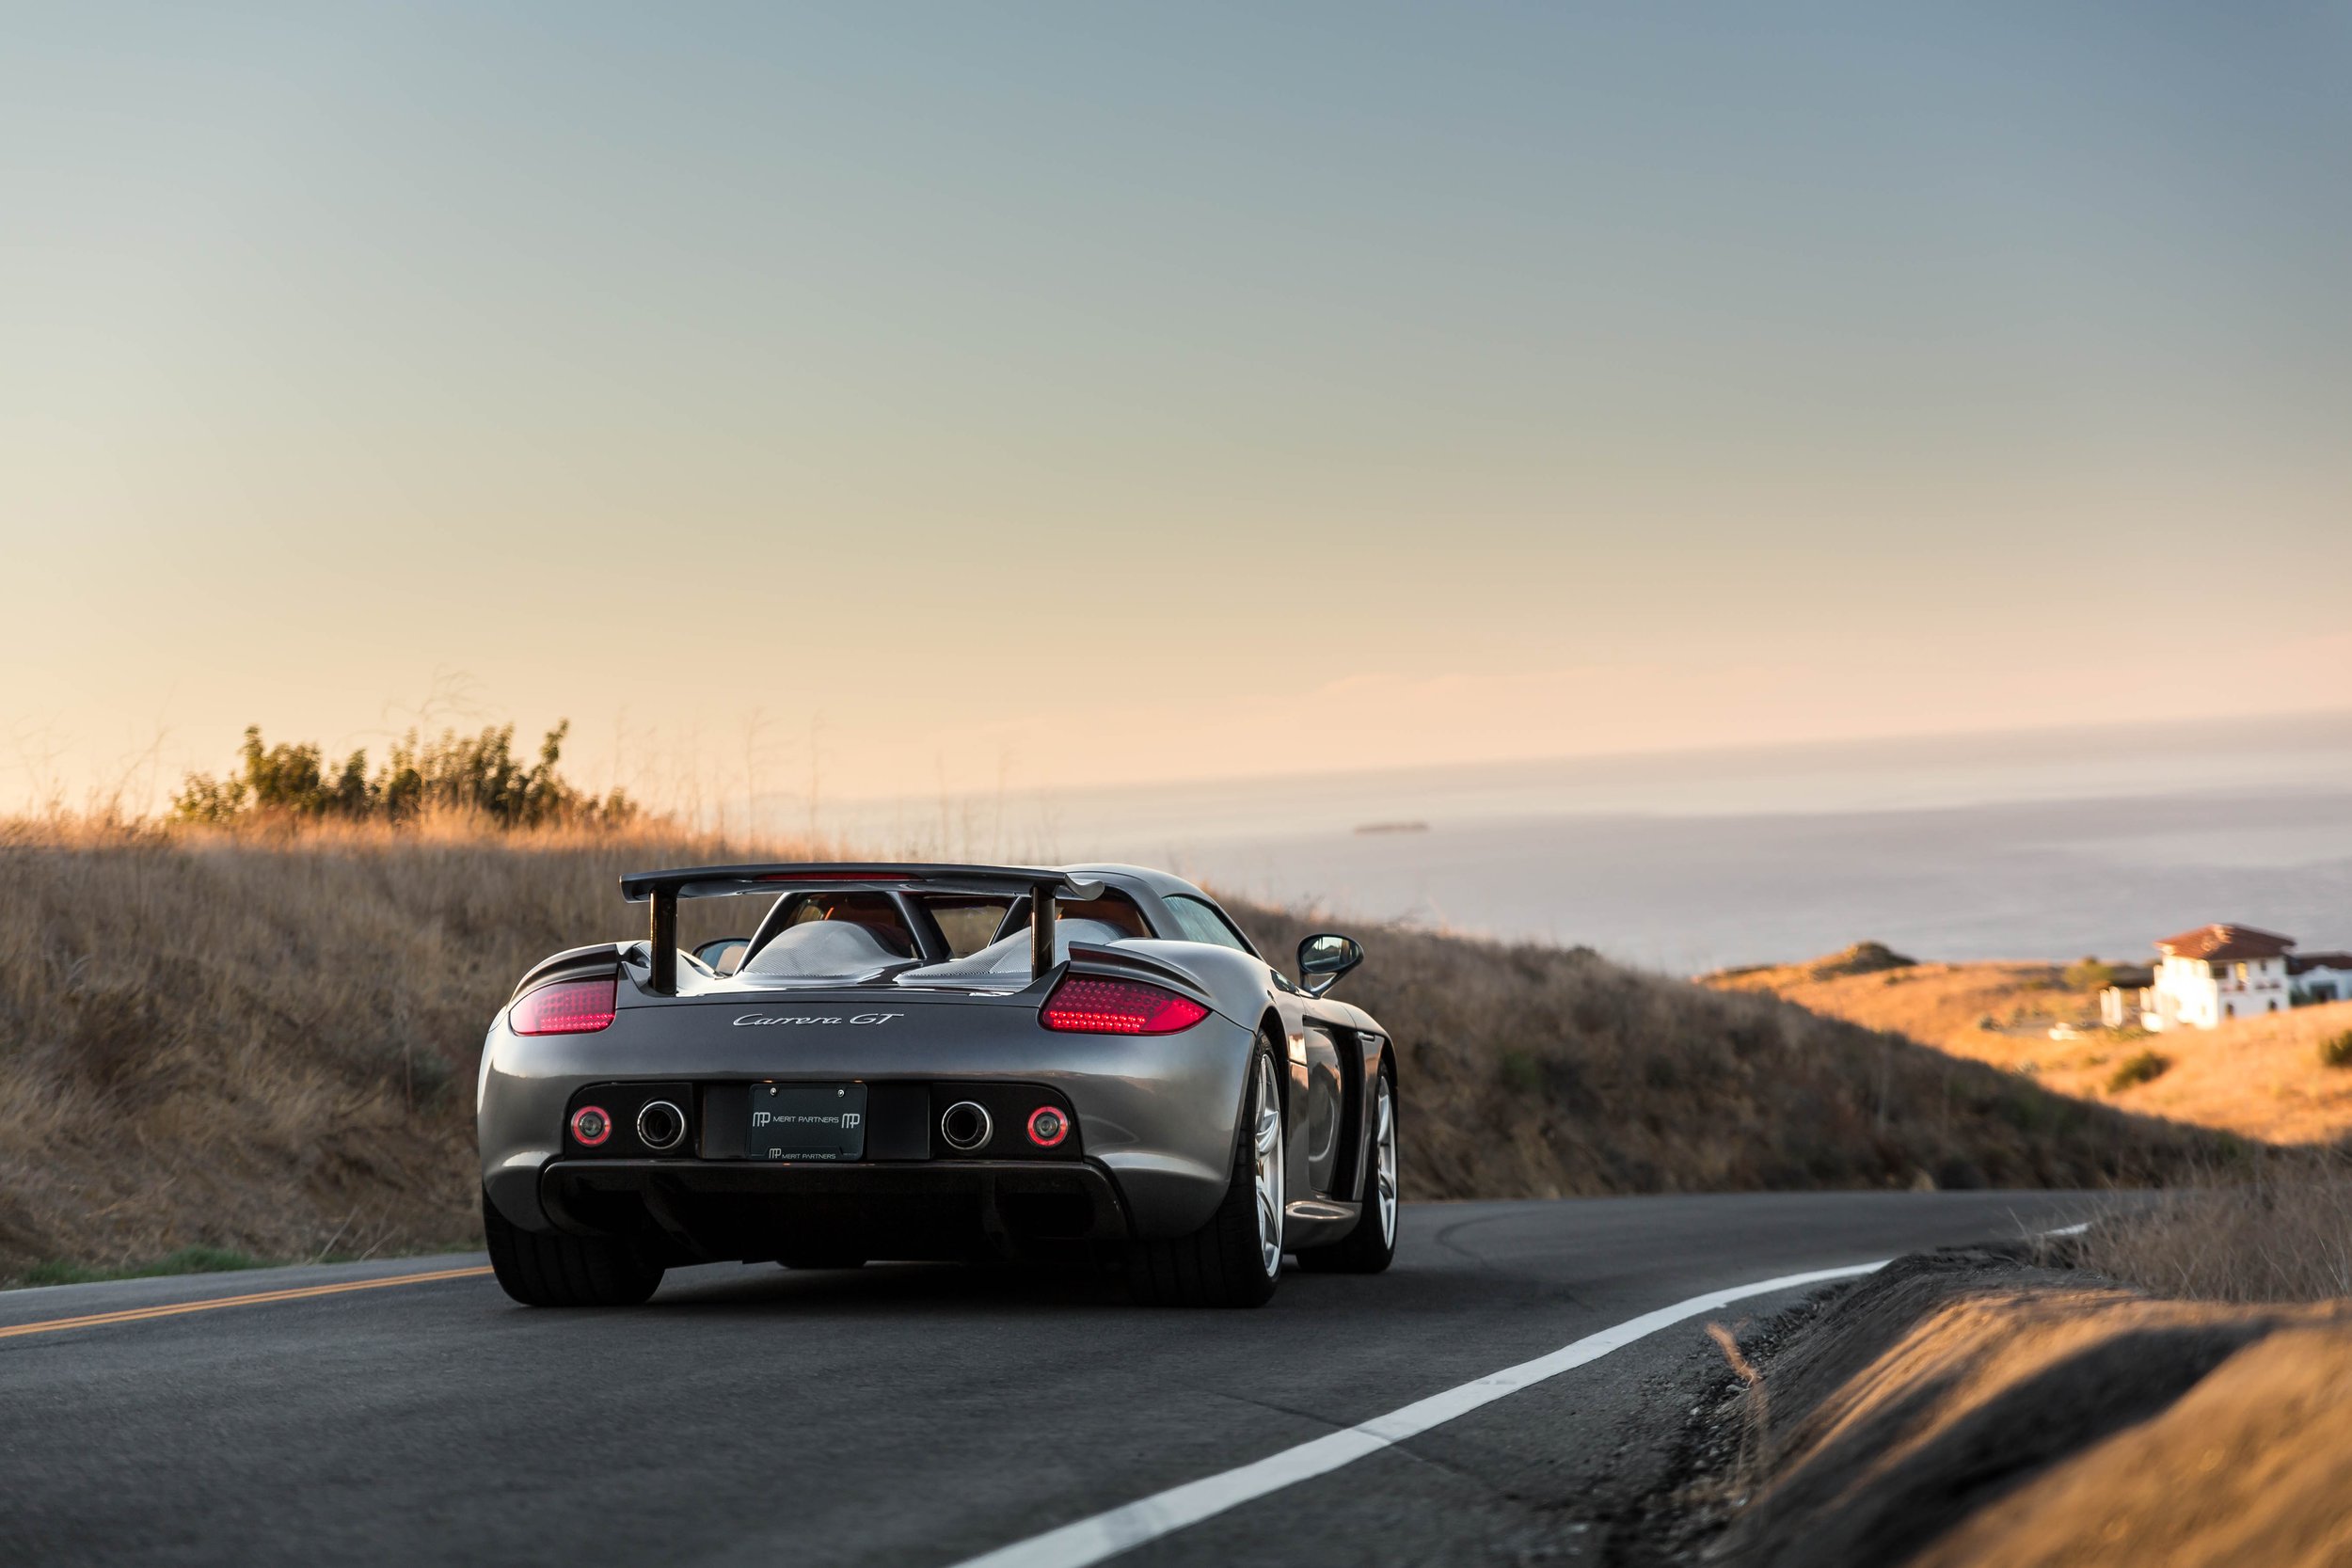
{"x":1863,"y":957}
{"x":474,"y":774}
{"x":2336,"y":1050}
{"x":2090,"y":973}
{"x":2146,"y":1068}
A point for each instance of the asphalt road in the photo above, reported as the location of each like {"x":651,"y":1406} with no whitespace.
{"x":897,"y":1415}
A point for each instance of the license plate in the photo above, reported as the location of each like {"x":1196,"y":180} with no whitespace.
{"x":807,"y":1122}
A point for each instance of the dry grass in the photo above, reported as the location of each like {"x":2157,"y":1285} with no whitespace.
{"x":1544,"y":1072}
{"x":2261,"y":1078}
{"x":268,"y":1043}
{"x":1942,"y":1005}
{"x":2267,"y":1228}
{"x":1752,"y":1459}
{"x":2280,"y":1230}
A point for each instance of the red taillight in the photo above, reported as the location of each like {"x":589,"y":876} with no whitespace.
{"x":1048,"y":1126}
{"x":1089,"y":1004}
{"x":566,"y":1008}
{"x":591,"y":1126}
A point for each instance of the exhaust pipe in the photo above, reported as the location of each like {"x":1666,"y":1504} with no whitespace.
{"x":964,"y":1126}
{"x":661,"y":1125}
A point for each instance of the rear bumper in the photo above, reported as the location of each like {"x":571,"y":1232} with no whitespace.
{"x":760,"y":1209}
{"x":1155,"y":1114}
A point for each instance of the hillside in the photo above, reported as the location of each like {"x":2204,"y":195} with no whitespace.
{"x":2261,"y":1078}
{"x":268,"y":1043}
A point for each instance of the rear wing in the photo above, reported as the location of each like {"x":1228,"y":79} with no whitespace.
{"x":1042,"y":886}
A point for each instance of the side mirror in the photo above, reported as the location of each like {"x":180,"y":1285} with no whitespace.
{"x":1324,"y":958}
{"x":723,"y":955}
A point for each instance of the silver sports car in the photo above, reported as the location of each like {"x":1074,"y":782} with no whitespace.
{"x":911,"y":1061}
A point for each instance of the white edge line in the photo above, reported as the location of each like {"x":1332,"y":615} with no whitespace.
{"x":1091,"y":1539}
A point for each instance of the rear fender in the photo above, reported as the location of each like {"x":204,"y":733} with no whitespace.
{"x":1085,"y":958}
{"x":603,"y":956}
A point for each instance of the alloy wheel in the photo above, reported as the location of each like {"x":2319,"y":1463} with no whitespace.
{"x":1269,"y":1169}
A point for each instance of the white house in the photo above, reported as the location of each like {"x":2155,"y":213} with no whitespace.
{"x":2319,"y":977}
{"x":2211,"y":974}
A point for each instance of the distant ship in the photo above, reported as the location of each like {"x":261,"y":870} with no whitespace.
{"x":1392,"y":827}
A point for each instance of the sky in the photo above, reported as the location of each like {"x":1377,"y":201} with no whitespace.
{"x":925,"y":399}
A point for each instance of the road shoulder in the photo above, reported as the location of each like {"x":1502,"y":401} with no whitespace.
{"x":1977,"y":1406}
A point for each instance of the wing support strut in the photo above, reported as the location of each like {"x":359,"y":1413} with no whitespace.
{"x":663,"y":980}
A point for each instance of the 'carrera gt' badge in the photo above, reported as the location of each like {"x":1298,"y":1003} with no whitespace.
{"x":753,"y":1021}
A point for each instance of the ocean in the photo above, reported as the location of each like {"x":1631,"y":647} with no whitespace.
{"x":2043,"y":845}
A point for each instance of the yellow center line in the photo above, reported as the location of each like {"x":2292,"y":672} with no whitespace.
{"x":173,"y":1310}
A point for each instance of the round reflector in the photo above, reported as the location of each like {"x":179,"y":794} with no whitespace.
{"x":591,"y":1126}
{"x":1047,"y":1125}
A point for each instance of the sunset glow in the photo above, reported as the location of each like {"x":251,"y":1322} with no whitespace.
{"x":935,"y":404}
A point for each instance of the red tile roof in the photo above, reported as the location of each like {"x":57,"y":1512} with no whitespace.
{"x":2225,"y":941}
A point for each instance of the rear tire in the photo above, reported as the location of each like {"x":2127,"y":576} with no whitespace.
{"x":1371,"y":1245}
{"x":1234,"y":1260}
{"x":547,"y":1267}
